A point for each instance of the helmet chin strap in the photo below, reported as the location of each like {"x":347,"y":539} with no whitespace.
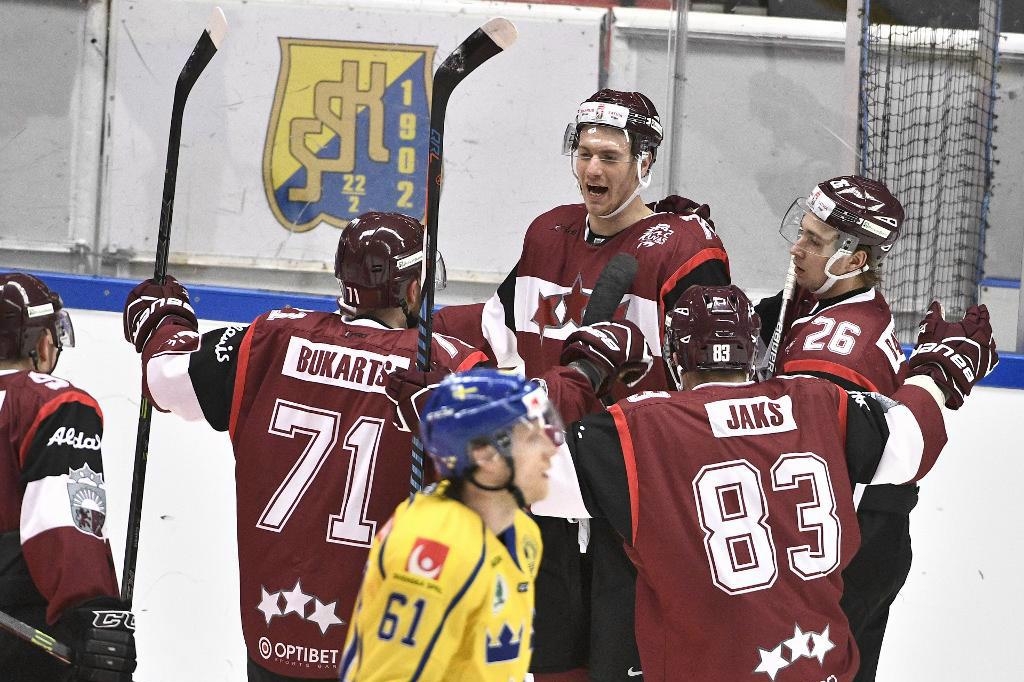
{"x":509,"y":485}
{"x":640,"y":186}
{"x":831,"y":279}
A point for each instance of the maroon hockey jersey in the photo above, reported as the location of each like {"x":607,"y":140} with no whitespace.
{"x":53,"y":501}
{"x":853,"y":339}
{"x":736,"y":504}
{"x":543,"y":300}
{"x":319,"y":465}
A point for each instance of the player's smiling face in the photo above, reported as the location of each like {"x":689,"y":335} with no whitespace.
{"x":532,"y":450}
{"x":605,"y":169}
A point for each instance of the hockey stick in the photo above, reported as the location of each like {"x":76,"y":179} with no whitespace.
{"x":202,"y":53}
{"x":612,"y":284}
{"x":787,"y":296}
{"x":36,"y":637}
{"x":496,"y":35}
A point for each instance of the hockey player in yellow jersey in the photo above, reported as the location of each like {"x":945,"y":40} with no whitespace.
{"x":448,"y":592}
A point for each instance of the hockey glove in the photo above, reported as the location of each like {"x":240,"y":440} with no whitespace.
{"x":103,"y":641}
{"x":956,"y":355}
{"x":409,"y":389}
{"x":674,"y":203}
{"x":149,"y":304}
{"x":617,"y":350}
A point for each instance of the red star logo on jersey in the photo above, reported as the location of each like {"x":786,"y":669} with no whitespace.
{"x":557,"y":310}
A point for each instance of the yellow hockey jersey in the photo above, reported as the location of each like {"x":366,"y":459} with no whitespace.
{"x":444,"y":598}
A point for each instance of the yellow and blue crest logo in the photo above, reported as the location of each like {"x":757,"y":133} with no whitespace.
{"x":348,"y":132}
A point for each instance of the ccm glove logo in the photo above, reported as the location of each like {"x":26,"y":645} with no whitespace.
{"x":114,"y":619}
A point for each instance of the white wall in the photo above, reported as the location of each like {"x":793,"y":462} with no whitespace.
{"x":956,"y":619}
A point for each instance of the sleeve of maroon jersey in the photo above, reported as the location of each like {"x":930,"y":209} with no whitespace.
{"x":479,"y":323}
{"x":892,"y":440}
{"x":454,"y":354}
{"x":699,"y":258}
{"x":191,"y":375}
{"x":601,"y":461}
{"x":65,"y":504}
{"x":571,"y":393}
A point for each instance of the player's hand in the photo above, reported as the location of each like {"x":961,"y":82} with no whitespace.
{"x":674,"y":203}
{"x":409,"y":389}
{"x":956,"y":355}
{"x":617,"y":349}
{"x":103,"y":641}
{"x":149,"y":304}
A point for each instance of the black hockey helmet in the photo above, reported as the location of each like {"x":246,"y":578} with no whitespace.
{"x":711,"y":328}
{"x":27,"y":309}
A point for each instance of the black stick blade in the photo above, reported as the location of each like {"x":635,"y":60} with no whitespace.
{"x":612,"y":284}
{"x":496,"y":35}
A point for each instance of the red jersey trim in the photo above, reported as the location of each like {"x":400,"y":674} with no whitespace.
{"x":844,"y":399}
{"x":474,"y":359}
{"x":685,"y":269}
{"x":240,"y":375}
{"x":48,"y":409}
{"x":629,"y":459}
{"x":800,"y":366}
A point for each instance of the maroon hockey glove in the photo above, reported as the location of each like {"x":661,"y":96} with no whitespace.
{"x":409,"y":389}
{"x":674,"y":203}
{"x":956,"y":355}
{"x":149,"y":304}
{"x":617,"y":350}
{"x":103,"y":641}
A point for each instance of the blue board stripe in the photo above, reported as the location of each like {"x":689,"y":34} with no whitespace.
{"x":244,"y":305}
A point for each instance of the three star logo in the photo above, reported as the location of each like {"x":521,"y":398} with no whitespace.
{"x":800,"y":645}
{"x":296,"y":601}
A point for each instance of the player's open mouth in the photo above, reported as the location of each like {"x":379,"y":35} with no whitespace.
{"x":597,"y":190}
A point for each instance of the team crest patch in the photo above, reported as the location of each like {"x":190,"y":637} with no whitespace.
{"x":426,"y":558}
{"x":88,"y":500}
{"x":655,"y":236}
{"x":348,"y":132}
{"x":500,"y":594}
{"x":530,"y":553}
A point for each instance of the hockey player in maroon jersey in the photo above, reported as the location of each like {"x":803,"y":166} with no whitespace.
{"x":612,"y":143}
{"x":841,"y":329}
{"x":56,"y":570}
{"x":735,"y":498}
{"x":319,"y":464}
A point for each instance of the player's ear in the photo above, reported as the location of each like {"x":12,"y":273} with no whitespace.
{"x":858,"y":260}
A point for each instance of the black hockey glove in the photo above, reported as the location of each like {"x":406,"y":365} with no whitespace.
{"x":149,"y":304}
{"x":956,"y":355}
{"x":103,"y":641}
{"x":618,"y":350}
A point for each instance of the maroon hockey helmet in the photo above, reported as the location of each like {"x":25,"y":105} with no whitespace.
{"x":711,"y":328}
{"x":861,"y":208}
{"x":378,"y":255}
{"x":633,"y":112}
{"x":27,"y":309}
